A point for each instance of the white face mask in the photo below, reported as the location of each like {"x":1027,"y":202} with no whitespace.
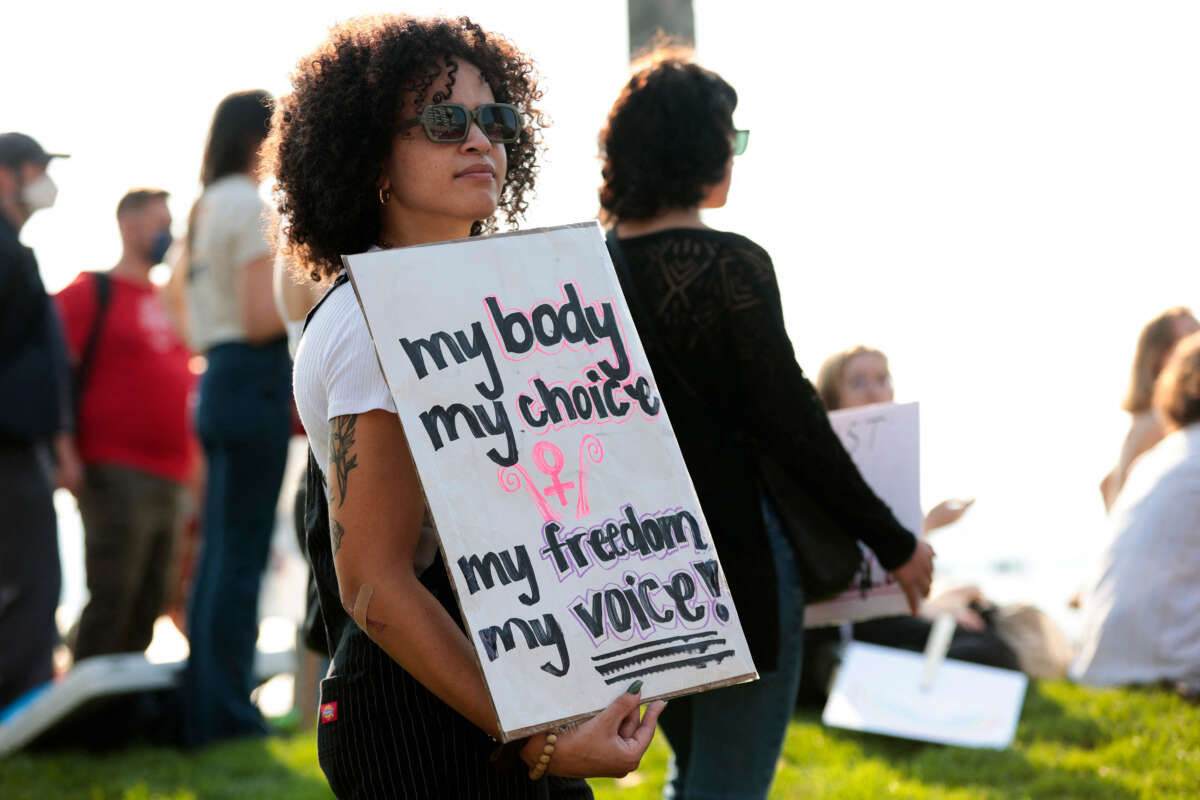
{"x":40,"y":194}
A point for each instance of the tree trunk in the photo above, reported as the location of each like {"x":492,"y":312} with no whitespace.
{"x":648,"y":17}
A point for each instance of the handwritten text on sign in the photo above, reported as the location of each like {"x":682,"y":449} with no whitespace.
{"x":884,"y":442}
{"x":564,"y":510}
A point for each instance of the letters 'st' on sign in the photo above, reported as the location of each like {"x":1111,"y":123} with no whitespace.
{"x":884,"y":442}
{"x":565,"y":513}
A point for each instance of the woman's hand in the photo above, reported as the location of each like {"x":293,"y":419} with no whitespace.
{"x":946,"y":513}
{"x":958,"y":602}
{"x":609,"y":745}
{"x":916,"y":575}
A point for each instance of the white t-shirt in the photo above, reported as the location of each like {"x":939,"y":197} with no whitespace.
{"x":1141,"y":608}
{"x":228,"y":232}
{"x":337,"y":373}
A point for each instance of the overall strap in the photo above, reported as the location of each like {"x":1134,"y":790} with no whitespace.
{"x":325,"y":621}
{"x":341,"y":279}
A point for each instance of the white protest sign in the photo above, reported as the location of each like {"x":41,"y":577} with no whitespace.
{"x":884,"y":442}
{"x":878,"y":690}
{"x":565,"y":513}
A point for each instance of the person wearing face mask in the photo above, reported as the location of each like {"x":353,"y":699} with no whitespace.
{"x":35,"y":415}
{"x":134,"y":433}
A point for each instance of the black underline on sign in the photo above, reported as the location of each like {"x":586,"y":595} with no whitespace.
{"x":655,"y":643}
{"x":697,"y":661}
{"x":694,"y":647}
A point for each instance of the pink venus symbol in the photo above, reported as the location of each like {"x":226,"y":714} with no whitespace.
{"x":550,"y":460}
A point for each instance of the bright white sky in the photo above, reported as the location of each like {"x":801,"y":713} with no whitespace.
{"x":998,"y":195}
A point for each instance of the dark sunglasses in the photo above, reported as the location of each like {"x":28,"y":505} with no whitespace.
{"x":740,"y":140}
{"x":451,"y":122}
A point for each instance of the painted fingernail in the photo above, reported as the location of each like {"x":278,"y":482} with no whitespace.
{"x":634,"y":687}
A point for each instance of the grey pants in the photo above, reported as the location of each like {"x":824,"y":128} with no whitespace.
{"x":30,"y":577}
{"x":131,"y":522}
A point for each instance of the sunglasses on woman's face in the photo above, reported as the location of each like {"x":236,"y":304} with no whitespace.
{"x":740,"y":140}
{"x":451,"y":122}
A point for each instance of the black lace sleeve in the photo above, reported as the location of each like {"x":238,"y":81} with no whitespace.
{"x":783,"y":412}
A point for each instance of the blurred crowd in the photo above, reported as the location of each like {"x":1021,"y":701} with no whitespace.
{"x":167,"y":410}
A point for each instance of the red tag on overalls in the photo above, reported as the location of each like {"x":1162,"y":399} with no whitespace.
{"x":328,"y":712}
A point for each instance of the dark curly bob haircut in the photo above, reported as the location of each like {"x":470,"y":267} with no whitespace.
{"x":332,"y":134}
{"x":667,"y":138}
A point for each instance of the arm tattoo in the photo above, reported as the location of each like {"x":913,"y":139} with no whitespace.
{"x":336,"y":532}
{"x":341,"y":439}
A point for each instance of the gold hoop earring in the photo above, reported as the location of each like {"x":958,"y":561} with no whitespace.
{"x":384,"y":196}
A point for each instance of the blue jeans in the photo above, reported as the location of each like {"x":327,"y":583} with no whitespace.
{"x":244,"y":421}
{"x":726,"y":742}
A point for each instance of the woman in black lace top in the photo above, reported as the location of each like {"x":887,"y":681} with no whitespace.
{"x":783,"y":499}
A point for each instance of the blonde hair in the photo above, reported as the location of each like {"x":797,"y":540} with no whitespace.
{"x":829,"y":377}
{"x":1153,"y":347}
{"x":1177,"y":394}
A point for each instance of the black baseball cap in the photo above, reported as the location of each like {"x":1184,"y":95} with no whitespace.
{"x":17,"y":149}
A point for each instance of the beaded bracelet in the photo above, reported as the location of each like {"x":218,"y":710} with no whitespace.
{"x":539,"y":769}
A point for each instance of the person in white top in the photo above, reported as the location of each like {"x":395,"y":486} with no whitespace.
{"x":1146,"y":428}
{"x":1141,"y":607}
{"x":243,"y":417}
{"x":404,"y":131}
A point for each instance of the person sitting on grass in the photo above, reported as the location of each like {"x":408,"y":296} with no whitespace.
{"x":856,"y":377}
{"x":860,"y":376}
{"x":1146,"y":427}
{"x":1141,"y":607}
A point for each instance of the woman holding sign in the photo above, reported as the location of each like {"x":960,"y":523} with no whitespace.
{"x":784,"y":501}
{"x":860,"y":376}
{"x":404,"y":131}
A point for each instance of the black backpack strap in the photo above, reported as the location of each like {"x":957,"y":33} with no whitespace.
{"x":103,"y":284}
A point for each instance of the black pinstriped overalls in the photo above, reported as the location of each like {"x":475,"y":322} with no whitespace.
{"x":380,"y":733}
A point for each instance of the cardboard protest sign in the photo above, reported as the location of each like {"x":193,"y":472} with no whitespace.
{"x":565,"y":513}
{"x":884,"y":442}
{"x":878,"y":690}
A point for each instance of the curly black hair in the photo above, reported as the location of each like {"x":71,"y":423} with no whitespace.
{"x":667,"y":138}
{"x":332,"y":134}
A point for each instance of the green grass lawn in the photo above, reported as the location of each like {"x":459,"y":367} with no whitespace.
{"x":1071,"y":743}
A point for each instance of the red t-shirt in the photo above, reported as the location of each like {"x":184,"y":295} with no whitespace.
{"x":136,"y":405}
